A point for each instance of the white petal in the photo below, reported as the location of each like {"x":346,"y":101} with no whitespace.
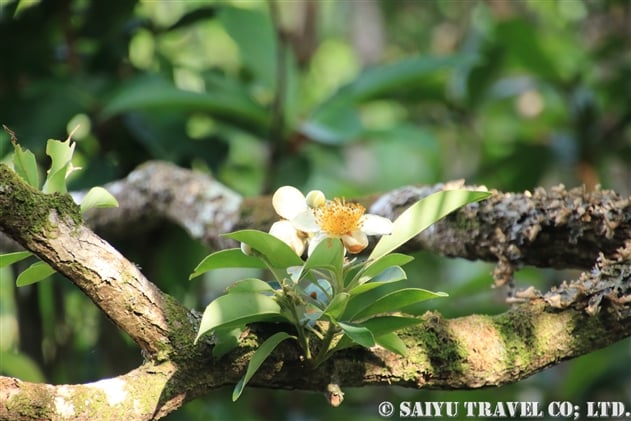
{"x":305,"y":222}
{"x":376,"y":225}
{"x":356,"y":242}
{"x":288,"y":202}
{"x":285,"y":231}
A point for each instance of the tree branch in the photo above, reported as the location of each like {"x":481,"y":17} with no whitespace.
{"x":462,"y":353}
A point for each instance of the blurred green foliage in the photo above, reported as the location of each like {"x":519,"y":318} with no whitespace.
{"x":347,"y":97}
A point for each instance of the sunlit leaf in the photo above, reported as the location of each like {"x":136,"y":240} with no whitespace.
{"x":229,"y":258}
{"x":98,"y":197}
{"x":34,"y":273}
{"x":250,"y":285}
{"x":421,"y":215}
{"x":376,"y":266}
{"x":25,"y":166}
{"x":277,"y":253}
{"x":61,"y":165}
{"x":395,"y":301}
{"x":391,"y":274}
{"x":10,"y":258}
{"x":258,"y":358}
{"x":238,"y":309}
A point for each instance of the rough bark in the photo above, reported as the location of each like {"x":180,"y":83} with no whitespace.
{"x":468,"y":352}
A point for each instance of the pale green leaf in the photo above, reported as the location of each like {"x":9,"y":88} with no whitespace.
{"x":34,"y":273}
{"x":225,"y":340}
{"x":229,"y":258}
{"x":238,"y":309}
{"x":329,"y":254}
{"x":257,"y":359}
{"x":250,"y":285}
{"x":98,"y":197}
{"x":395,"y":301}
{"x":391,"y":274}
{"x":276,"y":252}
{"x":25,"y":165}
{"x":358,"y":334}
{"x":421,"y":215}
{"x":61,"y":165}
{"x":10,"y":258}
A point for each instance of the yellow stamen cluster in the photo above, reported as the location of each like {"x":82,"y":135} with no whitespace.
{"x":337,"y":218}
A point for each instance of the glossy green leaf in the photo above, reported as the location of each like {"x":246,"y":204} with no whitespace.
{"x":395,"y":301}
{"x":250,"y":285}
{"x":148,"y":93}
{"x":258,"y":358}
{"x":229,"y":258}
{"x":328,"y":254}
{"x":25,"y":166}
{"x":393,"y":343}
{"x":277,"y":253}
{"x":358,"y":334}
{"x":391,"y":274}
{"x":337,"y":305}
{"x":421,"y":215}
{"x":238,"y":309}
{"x":34,"y":273}
{"x":98,"y":197}
{"x":10,"y":258}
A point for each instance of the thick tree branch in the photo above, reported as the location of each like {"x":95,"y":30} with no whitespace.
{"x":556,"y":228}
{"x":466,"y":352}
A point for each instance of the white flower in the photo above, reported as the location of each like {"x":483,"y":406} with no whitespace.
{"x":324,"y":219}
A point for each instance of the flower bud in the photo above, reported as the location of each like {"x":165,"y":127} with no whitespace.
{"x":315,"y":199}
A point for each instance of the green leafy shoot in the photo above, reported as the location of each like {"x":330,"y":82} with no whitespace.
{"x":327,"y":297}
{"x":25,"y":165}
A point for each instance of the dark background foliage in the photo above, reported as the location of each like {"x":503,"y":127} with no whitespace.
{"x":351,"y":98}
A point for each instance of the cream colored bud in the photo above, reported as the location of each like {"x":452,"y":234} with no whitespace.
{"x":315,"y":199}
{"x":246,"y":249}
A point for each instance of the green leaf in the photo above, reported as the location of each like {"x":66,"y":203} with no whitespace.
{"x":337,"y":305}
{"x":396,"y":301}
{"x":277,"y":253}
{"x":229,"y":258}
{"x":391,"y":274}
{"x":258,"y":358}
{"x":334,"y":122}
{"x":421,"y":215}
{"x":238,"y":309}
{"x":98,"y":197}
{"x":386,"y":81}
{"x":393,"y":343}
{"x":382,"y":327}
{"x":25,"y":165}
{"x":21,"y":366}
{"x":34,"y":273}
{"x":10,"y":258}
{"x":250,"y":285}
{"x":254,"y":34}
{"x":328,"y":254}
{"x":154,"y":93}
{"x":375,"y":267}
{"x":61,"y":166}
{"x":358,"y":334}
{"x":226,"y":340}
